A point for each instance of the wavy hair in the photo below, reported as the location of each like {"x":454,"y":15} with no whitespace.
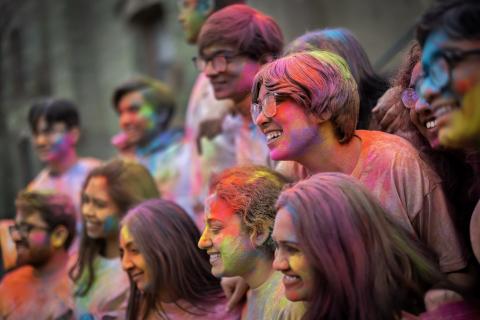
{"x":128,"y":183}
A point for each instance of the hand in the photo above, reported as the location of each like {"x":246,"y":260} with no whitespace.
{"x":235,"y":289}
{"x":390,"y":112}
{"x":209,"y":128}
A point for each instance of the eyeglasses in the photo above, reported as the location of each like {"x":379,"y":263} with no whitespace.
{"x":409,"y":98}
{"x":439,"y":71}
{"x":24,"y":229}
{"x":268,"y":106}
{"x":219,"y":62}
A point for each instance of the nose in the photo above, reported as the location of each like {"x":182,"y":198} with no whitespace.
{"x":280,"y":262}
{"x":40,"y":139}
{"x":262,"y":120}
{"x":428,"y":91}
{"x":126,"y":262}
{"x":125,"y":119}
{"x":421,"y":106}
{"x":87,"y":210}
{"x":204,"y":242}
{"x":209,"y":70}
{"x":15,"y":235}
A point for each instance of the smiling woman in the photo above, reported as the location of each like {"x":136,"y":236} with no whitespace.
{"x":169,"y":275}
{"x":108,"y":192}
{"x":339,"y":251}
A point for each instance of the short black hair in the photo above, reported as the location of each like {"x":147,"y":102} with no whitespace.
{"x":459,"y":19}
{"x":54,"y":110}
{"x":55,"y":209}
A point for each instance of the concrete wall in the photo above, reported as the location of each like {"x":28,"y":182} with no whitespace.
{"x":81,"y":49}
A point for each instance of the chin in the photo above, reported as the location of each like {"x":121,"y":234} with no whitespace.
{"x":295,"y":296}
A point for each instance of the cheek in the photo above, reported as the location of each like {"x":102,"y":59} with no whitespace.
{"x":111,"y":224}
{"x":38,"y":239}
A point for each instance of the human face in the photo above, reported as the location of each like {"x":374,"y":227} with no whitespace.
{"x":192,"y":16}
{"x":53,"y":143}
{"x":31,"y":236}
{"x":235,"y":81}
{"x":230,"y":248}
{"x":290,"y":260}
{"x":137,"y":118}
{"x":133,"y":261}
{"x":456,"y":77}
{"x":98,"y":209}
{"x":291,"y":131}
{"x":421,"y":114}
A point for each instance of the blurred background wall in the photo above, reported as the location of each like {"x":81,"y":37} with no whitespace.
{"x":81,"y":49}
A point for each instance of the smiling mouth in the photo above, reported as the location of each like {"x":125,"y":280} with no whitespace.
{"x":273,"y":135}
{"x":289,"y":280}
{"x":214,"y":258}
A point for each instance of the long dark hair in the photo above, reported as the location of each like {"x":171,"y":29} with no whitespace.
{"x":167,"y":238}
{"x":128,"y":183}
{"x":364,"y":265}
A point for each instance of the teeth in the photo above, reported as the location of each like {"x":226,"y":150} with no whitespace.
{"x":214,"y":257}
{"x":274,"y":134}
{"x":431,"y":124}
{"x":290,"y":279}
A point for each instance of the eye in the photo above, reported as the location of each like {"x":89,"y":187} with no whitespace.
{"x":121,"y":252}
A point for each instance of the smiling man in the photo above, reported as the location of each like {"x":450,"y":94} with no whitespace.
{"x":310,"y":120}
{"x":55,"y":127}
{"x":145,"y":108}
{"x":240,"y":214}
{"x":233,"y":45}
{"x":43,"y":231}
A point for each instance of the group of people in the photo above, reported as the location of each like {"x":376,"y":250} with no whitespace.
{"x":303,"y":186}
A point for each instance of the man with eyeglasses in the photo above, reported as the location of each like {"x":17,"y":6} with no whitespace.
{"x":233,"y":45}
{"x":43,"y":231}
{"x":55,"y":128}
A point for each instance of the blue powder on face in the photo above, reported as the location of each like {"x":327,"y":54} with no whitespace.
{"x":111,"y":224}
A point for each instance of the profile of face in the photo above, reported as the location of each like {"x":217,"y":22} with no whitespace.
{"x":100,"y":213}
{"x":452,"y":68}
{"x":289,"y":258}
{"x":231,"y":251}
{"x":290,"y":131}
{"x":53,"y":143}
{"x":230,"y":72}
{"x":192,"y":15}
{"x":421,"y":114}
{"x":32,"y":239}
{"x":137,"y":118}
{"x":133,"y":262}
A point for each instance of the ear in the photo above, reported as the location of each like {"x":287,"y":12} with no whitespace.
{"x":206,"y":7}
{"x":260,"y":236}
{"x":58,"y":237}
{"x":74,"y":134}
{"x":326,"y":115}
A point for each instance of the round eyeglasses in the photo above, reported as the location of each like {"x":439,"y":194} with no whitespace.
{"x":24,"y":229}
{"x":268,"y":106}
{"x":439,"y":71}
{"x":219,"y":62}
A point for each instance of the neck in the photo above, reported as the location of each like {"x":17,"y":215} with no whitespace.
{"x":261,"y":272}
{"x":328,"y":155}
{"x":111,"y":247}
{"x":62,"y":165}
{"x":56,"y":263}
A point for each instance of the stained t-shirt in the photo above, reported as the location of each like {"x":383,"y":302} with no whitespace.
{"x":108,"y":296}
{"x":408,"y":189}
{"x":268,"y":301}
{"x":25,"y":295}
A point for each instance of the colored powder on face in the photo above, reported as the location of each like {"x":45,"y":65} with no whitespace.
{"x":126,"y":235}
{"x":235,"y":255}
{"x":146,"y":111}
{"x":111,"y":224}
{"x":38,"y":238}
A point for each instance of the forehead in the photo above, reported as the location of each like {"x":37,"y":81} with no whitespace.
{"x":187,"y":3}
{"x":97,"y":185}
{"x":42,"y":124}
{"x":218,"y":209}
{"x":131,"y":98}
{"x":32,"y":218}
{"x":125,"y":236}
{"x":283,"y":229}
{"x":217,"y":49}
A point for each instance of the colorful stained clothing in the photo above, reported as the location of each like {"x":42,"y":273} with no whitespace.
{"x":69,"y":183}
{"x":108,"y":296}
{"x":250,"y":143}
{"x":407,"y":189}
{"x":217,"y":153}
{"x":216,"y":312}
{"x":25,"y":295}
{"x":268,"y":301}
